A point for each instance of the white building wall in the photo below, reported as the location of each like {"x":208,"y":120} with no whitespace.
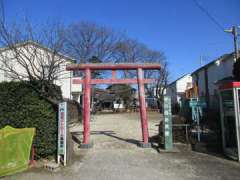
{"x":216,"y":71}
{"x":8,"y":56}
{"x":76,"y":86}
{"x":64,"y":77}
{"x":219,"y":71}
{"x":183,"y":83}
{"x":76,"y":89}
{"x":177,"y":88}
{"x":2,"y":76}
{"x":64,"y":81}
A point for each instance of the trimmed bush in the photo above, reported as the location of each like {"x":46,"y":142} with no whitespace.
{"x":21,"y":107}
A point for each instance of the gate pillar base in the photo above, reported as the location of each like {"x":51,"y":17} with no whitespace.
{"x":144,"y":145}
{"x":86,"y":146}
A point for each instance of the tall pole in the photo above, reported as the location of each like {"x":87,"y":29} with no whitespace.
{"x":235,"y":35}
{"x":234,"y":32}
{"x":86,"y":110}
{"x":143,"y":112}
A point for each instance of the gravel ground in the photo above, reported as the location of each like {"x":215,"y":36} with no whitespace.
{"x":115,"y":155}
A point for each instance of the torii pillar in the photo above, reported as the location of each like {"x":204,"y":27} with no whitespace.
{"x":143,"y":111}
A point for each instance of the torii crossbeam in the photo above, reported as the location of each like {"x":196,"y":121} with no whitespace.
{"x":87,"y":81}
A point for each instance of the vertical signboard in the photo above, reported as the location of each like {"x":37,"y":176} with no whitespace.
{"x":167,"y":123}
{"x":62,"y":132}
{"x":197,"y":106}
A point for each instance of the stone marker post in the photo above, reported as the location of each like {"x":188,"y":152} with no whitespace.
{"x":168,"y":141}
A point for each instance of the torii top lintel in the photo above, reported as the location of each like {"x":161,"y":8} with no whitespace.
{"x":111,"y":66}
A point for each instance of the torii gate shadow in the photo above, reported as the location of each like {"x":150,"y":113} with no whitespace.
{"x":106,"y":133}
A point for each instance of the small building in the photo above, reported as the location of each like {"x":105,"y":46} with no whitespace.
{"x":39,"y":56}
{"x":103,"y":99}
{"x":176,"y":89}
{"x":205,"y":78}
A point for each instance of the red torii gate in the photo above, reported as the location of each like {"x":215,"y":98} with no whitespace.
{"x":87,"y":81}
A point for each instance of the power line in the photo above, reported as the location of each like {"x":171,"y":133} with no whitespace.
{"x":208,"y":15}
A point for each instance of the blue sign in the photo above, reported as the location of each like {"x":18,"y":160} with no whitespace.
{"x":197,"y":102}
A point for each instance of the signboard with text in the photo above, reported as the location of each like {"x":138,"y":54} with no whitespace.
{"x":62,"y":132}
{"x":168,"y":142}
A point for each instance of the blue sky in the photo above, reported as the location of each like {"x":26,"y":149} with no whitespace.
{"x":176,"y":27}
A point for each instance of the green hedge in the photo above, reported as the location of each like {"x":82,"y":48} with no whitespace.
{"x":21,"y":107}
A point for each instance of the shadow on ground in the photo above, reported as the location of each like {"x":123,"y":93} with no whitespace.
{"x":111,"y":134}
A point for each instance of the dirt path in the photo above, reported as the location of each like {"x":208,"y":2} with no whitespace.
{"x":120,"y":130}
{"x":115,"y":156}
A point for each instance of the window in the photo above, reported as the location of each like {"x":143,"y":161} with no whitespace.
{"x":77,"y":73}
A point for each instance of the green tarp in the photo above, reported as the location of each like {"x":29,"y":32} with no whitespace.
{"x":15,"y":148}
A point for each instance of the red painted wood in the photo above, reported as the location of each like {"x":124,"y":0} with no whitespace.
{"x":229,"y":85}
{"x":236,"y":84}
{"x":143,"y":112}
{"x":86,"y":106}
{"x":77,"y":81}
{"x":113,"y":81}
{"x":109,"y":66}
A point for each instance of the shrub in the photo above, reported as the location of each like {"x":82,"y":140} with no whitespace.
{"x":21,"y":107}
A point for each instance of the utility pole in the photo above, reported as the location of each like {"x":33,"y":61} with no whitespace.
{"x":234,"y":32}
{"x":202,"y":60}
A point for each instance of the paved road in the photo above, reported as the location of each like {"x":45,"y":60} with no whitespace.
{"x":115,"y":156}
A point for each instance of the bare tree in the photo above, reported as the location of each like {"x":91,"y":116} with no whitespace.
{"x":158,"y":88}
{"x":131,"y":51}
{"x":162,"y":83}
{"x":33,"y":56}
{"x":85,"y":40}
